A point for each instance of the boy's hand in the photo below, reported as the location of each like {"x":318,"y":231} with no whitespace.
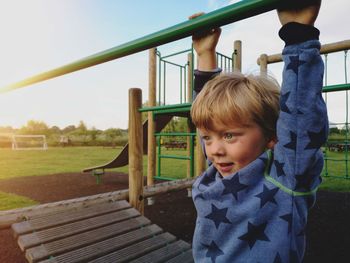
{"x":300,"y":11}
{"x":204,"y":44}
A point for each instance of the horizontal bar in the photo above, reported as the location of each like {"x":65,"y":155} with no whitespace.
{"x":175,"y":134}
{"x":165,"y":178}
{"x":222,"y":55}
{"x":177,"y":53}
{"x":166,"y":107}
{"x":172,"y":63}
{"x":336,"y":160}
{"x":325,"y":49}
{"x":175,"y":157}
{"x":336,"y":176}
{"x":173,"y":111}
{"x":220,"y":17}
{"x":338,"y":87}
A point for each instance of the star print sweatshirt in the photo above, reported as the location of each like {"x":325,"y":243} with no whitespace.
{"x":259,"y":213}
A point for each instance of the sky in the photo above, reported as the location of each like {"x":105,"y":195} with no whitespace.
{"x":40,"y":35}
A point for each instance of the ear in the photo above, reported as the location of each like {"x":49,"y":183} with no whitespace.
{"x":271,"y":143}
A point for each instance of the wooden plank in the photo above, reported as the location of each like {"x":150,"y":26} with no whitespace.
{"x":102,"y":248}
{"x":59,"y":232}
{"x":66,"y":217}
{"x":20,"y":214}
{"x":137,"y":250}
{"x":165,"y":253}
{"x":186,"y":257}
{"x":87,"y":238}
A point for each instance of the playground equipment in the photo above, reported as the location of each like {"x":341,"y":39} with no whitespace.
{"x":159,"y":116}
{"x":343,"y":144}
{"x":136,"y":193}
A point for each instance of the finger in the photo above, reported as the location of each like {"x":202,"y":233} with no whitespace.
{"x":196,"y":15}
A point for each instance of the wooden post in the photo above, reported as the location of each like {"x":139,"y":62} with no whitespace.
{"x":151,"y":150}
{"x":135,"y":150}
{"x":237,"y":56}
{"x":263,"y":64}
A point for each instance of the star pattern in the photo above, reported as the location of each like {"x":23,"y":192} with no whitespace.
{"x":277,"y":258}
{"x":207,"y":180}
{"x":218,"y":216}
{"x":254,"y":234}
{"x":233,"y":186}
{"x":316,"y":139}
{"x":267,"y":195}
{"x":283,"y":102}
{"x":295,"y":63}
{"x":289,"y":219}
{"x":213,"y":251}
{"x":279,"y":168}
{"x":257,"y":230}
{"x":293,"y":141}
{"x":303,"y":181}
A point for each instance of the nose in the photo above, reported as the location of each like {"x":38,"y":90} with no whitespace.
{"x":217,"y":148}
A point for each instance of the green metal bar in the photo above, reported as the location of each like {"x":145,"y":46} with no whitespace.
{"x":336,"y":160}
{"x":166,"y":107}
{"x":172,"y":111}
{"x":171,"y":63}
{"x":222,"y":55}
{"x":338,"y":87}
{"x":181,"y":85}
{"x":177,"y":53}
{"x":220,"y":17}
{"x":159,"y":154}
{"x":185,"y":83}
{"x":191,"y":156}
{"x":175,"y":134}
{"x":192,"y":71}
{"x":165,"y":178}
{"x":159,"y":80}
{"x":164,"y":82}
{"x":177,"y":157}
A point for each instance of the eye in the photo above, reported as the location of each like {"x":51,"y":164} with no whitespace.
{"x":228,"y":136}
{"x":205,"y":137}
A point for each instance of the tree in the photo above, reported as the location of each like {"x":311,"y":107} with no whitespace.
{"x":82,"y":127}
{"x":55,"y":130}
{"x":35,"y":127}
{"x":69,"y":129}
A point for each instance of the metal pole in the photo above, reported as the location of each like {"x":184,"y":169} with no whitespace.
{"x":220,"y":17}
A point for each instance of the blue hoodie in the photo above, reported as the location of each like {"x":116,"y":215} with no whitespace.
{"x":259,"y":213}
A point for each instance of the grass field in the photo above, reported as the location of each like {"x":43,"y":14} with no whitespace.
{"x":74,"y":159}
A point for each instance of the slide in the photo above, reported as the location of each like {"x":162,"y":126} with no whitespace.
{"x":123,"y":158}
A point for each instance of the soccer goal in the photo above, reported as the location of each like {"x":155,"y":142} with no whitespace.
{"x":29,"y":142}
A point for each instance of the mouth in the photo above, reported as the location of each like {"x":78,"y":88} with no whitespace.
{"x":225,"y":167}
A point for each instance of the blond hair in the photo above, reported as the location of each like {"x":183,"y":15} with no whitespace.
{"x":238,"y":99}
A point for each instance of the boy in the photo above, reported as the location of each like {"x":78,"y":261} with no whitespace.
{"x":252,"y":203}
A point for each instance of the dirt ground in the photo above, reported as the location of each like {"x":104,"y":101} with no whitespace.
{"x":328,"y":231}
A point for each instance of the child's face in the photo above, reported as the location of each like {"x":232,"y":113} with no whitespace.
{"x":231,"y":148}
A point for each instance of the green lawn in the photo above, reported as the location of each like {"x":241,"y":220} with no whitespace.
{"x":74,"y":159}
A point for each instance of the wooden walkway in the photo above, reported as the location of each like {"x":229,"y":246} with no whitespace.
{"x":109,"y":232}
